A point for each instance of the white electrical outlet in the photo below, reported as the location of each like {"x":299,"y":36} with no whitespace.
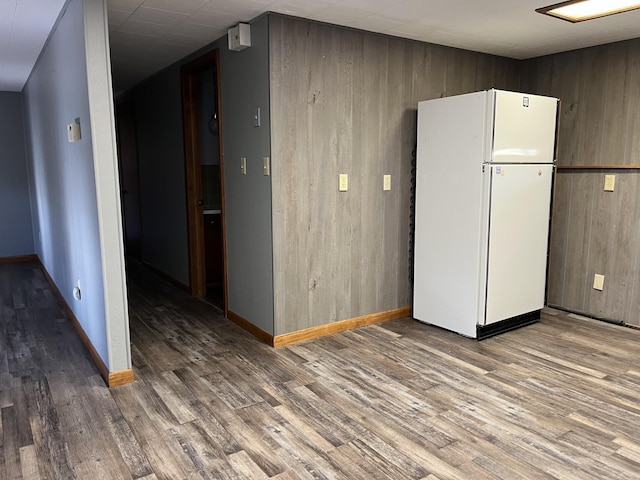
{"x":386,"y":182}
{"x":344,"y":182}
{"x":598,"y":282}
{"x":609,"y":183}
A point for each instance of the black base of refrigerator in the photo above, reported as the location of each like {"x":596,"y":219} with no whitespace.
{"x":486,"y":331}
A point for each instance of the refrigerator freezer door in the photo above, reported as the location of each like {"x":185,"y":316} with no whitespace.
{"x":524,"y":128}
{"x":518,"y":238}
{"x":451,"y":140}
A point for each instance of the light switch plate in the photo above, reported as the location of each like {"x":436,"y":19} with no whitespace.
{"x":243,"y":165}
{"x":266,"y":169}
{"x":344,"y":182}
{"x":609,"y":183}
{"x":598,"y":282}
{"x":386,"y":182}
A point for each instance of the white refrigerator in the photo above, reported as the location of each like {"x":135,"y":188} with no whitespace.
{"x":484,"y":172}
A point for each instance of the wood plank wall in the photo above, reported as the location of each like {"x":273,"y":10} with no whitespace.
{"x":344,"y":101}
{"x":594,"y":231}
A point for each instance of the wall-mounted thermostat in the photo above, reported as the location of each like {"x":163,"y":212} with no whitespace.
{"x":239,"y":37}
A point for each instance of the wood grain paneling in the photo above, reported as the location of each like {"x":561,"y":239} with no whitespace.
{"x":344,"y":101}
{"x":616,"y":104}
{"x":632,"y":87}
{"x":558,"y":243}
{"x":591,"y":128}
{"x":577,"y":266}
{"x":595,"y":231}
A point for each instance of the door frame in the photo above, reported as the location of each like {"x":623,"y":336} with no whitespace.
{"x":189,"y":79}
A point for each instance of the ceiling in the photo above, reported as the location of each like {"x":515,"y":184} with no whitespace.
{"x":24,"y":27}
{"x":148,"y":35}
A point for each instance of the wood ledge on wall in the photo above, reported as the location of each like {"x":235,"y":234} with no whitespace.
{"x":112,"y":379}
{"x":320,"y":331}
{"x":597,"y":167}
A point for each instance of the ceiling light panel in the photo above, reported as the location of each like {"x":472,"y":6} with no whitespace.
{"x":581,"y":10}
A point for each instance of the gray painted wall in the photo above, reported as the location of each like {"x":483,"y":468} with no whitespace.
{"x":345,"y":101}
{"x":74,"y":186}
{"x":594,"y":231}
{"x":245,"y":87}
{"x":15,"y":209}
{"x":163,"y":207}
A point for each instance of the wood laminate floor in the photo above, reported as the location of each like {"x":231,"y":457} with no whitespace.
{"x":557,"y":399}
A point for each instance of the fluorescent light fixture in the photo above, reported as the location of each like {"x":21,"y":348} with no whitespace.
{"x":581,"y":10}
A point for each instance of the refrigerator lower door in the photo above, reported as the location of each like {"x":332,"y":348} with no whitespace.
{"x":518,"y":238}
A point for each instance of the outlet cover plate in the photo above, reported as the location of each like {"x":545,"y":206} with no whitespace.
{"x":344,"y":182}
{"x":609,"y":183}
{"x":598,"y":282}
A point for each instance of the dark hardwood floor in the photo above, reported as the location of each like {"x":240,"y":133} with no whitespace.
{"x":557,"y":399}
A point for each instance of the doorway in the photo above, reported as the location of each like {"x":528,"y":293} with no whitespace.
{"x":129,"y":177}
{"x":200,"y":80}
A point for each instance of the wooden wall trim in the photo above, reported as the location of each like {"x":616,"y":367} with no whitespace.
{"x":320,"y":331}
{"x":250,"y":327}
{"x":19,"y":258}
{"x":190,"y":88}
{"x":191,"y":135}
{"x":118,"y":378}
{"x":341,"y":326}
{"x":598,"y":167}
